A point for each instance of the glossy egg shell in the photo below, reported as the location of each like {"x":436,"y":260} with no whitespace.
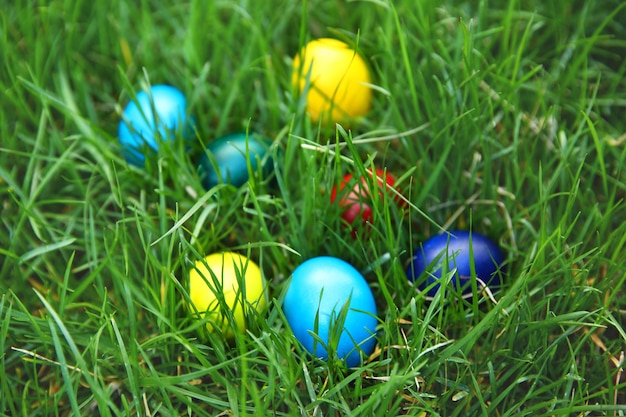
{"x":356,"y":199}
{"x":455,"y":247}
{"x":215,"y":285}
{"x":153,"y":118}
{"x":336,"y":80}
{"x":225,"y":159}
{"x":319,"y":289}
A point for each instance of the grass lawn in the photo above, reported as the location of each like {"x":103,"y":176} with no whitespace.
{"x":504,"y":117}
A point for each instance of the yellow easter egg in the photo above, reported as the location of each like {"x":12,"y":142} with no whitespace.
{"x":339,"y":79}
{"x":222,"y":282}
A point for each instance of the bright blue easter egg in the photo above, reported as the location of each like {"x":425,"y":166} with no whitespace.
{"x":226,"y":159}
{"x":154,"y":117}
{"x":330,"y":298}
{"x":456,"y":249}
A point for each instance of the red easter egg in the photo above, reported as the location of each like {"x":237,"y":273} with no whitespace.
{"x":355,"y":196}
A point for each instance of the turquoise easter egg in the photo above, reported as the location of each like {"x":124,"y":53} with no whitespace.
{"x":231,"y":159}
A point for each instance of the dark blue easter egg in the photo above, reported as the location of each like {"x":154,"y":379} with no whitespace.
{"x":227,"y":159}
{"x":153,"y":118}
{"x":456,"y":249}
{"x":329,"y":305}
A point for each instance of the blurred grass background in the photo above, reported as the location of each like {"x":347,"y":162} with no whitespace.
{"x":506,"y":117}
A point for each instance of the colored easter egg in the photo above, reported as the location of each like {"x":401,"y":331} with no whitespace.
{"x":328,"y":297}
{"x":229,"y":158}
{"x":335,"y":79}
{"x":153,"y":118}
{"x":355,"y":197}
{"x":226,"y":283}
{"x":457,"y":250}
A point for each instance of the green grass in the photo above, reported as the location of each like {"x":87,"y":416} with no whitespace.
{"x":517,"y":113}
